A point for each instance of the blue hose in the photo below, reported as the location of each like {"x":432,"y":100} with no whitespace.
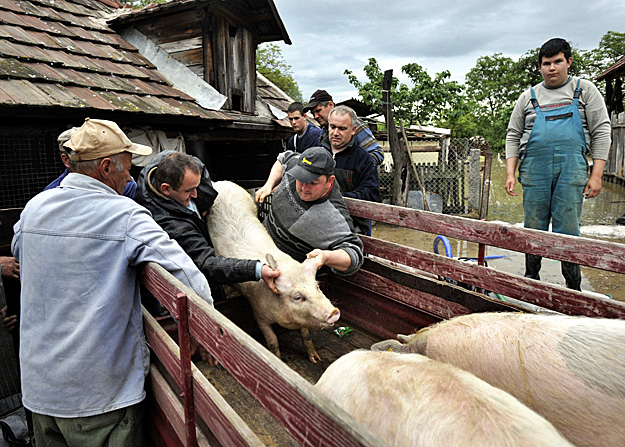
{"x":446,"y":244}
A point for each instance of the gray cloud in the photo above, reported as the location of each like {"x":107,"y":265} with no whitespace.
{"x":330,"y":36}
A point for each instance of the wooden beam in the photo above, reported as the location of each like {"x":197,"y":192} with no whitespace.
{"x":531,"y":291}
{"x":225,"y":424}
{"x":591,"y":252}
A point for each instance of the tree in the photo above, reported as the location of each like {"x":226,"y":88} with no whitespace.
{"x":271,"y":64}
{"x":611,"y":49}
{"x":428,"y":101}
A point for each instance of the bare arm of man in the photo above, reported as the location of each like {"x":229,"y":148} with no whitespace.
{"x":275,"y":176}
{"x":336,"y":259}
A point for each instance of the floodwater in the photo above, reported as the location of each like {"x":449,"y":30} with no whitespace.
{"x":598,"y":222}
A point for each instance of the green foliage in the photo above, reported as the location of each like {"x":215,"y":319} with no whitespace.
{"x":271,"y":64}
{"x":611,"y":49}
{"x":428,"y":100}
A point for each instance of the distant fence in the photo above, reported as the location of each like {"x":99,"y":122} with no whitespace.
{"x":444,"y":175}
{"x":615,"y":164}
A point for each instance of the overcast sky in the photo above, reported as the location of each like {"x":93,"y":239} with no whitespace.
{"x":330,"y":36}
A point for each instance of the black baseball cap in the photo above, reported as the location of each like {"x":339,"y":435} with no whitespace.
{"x":313,"y":162}
{"x":316,"y":98}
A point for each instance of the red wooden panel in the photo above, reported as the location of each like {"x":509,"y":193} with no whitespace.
{"x":591,"y":252}
{"x":307,"y":414}
{"x":375,"y":313}
{"x":426,"y":302}
{"x":222,"y":420}
{"x":542,"y":294}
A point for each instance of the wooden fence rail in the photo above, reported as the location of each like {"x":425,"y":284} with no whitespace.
{"x":615,"y":164}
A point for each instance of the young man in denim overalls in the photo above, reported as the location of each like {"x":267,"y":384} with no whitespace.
{"x":552,"y":128}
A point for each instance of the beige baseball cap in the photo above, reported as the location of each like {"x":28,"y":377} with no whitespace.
{"x":101,"y":138}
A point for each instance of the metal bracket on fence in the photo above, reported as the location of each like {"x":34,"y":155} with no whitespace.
{"x":184,"y":341}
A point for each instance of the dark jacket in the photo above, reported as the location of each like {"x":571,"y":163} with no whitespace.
{"x":310,"y":139}
{"x":356,"y":172}
{"x":190,"y":231}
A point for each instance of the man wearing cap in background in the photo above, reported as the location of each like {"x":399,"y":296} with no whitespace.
{"x":306,"y":134}
{"x":83,"y":355}
{"x":308,"y":216}
{"x":320,"y":104}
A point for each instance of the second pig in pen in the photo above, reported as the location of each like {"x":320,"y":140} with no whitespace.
{"x":236,"y":232}
{"x":568,"y":369}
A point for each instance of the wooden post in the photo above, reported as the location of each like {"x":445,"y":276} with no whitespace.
{"x":401,"y":175}
{"x":426,"y":206}
{"x":184,"y":341}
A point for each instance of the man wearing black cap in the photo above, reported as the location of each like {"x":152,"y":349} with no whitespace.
{"x":321,"y":103}
{"x":308,"y":216}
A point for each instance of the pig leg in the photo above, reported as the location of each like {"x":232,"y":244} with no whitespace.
{"x":308,"y":344}
{"x":270,"y":337}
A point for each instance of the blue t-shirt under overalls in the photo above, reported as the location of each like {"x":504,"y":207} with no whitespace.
{"x":553,"y":168}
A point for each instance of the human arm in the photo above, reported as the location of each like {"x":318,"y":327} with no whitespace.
{"x":593,"y":186}
{"x":268,"y":275}
{"x":217,"y":269}
{"x":275,"y":176}
{"x":366,"y":181}
{"x":510,"y":178}
{"x":10,"y":267}
{"x":336,"y":259}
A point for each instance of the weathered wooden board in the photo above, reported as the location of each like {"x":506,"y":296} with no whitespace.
{"x":539,"y":293}
{"x":579,"y":250}
{"x":307,"y":414}
{"x":172,"y":409}
{"x":223,"y":421}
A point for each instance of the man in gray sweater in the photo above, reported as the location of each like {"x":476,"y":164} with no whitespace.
{"x":552,"y":128}
{"x":308,"y":217}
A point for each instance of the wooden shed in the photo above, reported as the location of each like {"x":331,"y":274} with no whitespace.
{"x":64,"y":60}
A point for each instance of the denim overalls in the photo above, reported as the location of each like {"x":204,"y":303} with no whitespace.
{"x":553,"y":171}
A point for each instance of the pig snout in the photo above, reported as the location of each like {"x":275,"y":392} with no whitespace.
{"x":333,"y":316}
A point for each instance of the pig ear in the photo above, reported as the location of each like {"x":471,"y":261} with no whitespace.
{"x":310,"y":266}
{"x":390,"y":345}
{"x":404,"y":338}
{"x":271,"y":261}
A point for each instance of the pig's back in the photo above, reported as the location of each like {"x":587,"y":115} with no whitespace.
{"x":234,"y":227}
{"x":409,"y":400}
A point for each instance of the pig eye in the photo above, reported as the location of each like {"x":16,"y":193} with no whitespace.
{"x":298,"y":298}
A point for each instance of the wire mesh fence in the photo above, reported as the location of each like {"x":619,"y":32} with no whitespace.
{"x":443,"y":171}
{"x":10,"y":396}
{"x":29,"y":161}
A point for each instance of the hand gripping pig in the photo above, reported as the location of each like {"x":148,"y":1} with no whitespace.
{"x":236,"y":232}
{"x":409,"y":400}
{"x":571,"y":370}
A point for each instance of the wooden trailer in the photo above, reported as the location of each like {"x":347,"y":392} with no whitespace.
{"x":254,"y":399}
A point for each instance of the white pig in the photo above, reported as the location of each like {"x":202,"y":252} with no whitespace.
{"x":571,"y":370}
{"x":236,"y":232}
{"x":412,"y":401}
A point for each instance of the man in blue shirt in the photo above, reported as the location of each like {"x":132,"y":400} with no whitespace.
{"x":80,"y":246}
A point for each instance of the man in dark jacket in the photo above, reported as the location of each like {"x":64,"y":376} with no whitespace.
{"x":306,"y":134}
{"x":177,"y":190}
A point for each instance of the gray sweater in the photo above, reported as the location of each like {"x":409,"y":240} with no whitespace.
{"x":592,"y":110}
{"x":297,"y":227}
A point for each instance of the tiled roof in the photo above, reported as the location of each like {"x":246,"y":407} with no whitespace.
{"x":61,"y":54}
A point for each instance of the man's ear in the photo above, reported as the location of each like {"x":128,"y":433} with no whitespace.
{"x":166,"y":189}
{"x":331,"y":104}
{"x":106,"y":166}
